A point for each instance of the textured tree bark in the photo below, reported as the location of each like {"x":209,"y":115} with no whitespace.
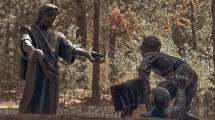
{"x":53,"y":2}
{"x":112,"y":45}
{"x":193,"y":40}
{"x":7,"y":55}
{"x":81,"y":19}
{"x":213,"y":39}
{"x":111,"y":57}
{"x":96,"y":67}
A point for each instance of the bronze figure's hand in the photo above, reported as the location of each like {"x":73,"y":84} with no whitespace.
{"x":36,"y":54}
{"x":180,"y":81}
{"x":96,"y":57}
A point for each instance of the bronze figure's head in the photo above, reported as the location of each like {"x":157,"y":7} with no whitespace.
{"x":150,"y":44}
{"x":159,"y":99}
{"x":47,"y":15}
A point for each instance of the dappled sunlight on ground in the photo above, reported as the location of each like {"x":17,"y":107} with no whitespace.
{"x":9,"y":104}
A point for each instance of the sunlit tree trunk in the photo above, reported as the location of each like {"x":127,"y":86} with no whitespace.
{"x":81,"y":19}
{"x":8,"y":58}
{"x":193,"y":43}
{"x":96,"y":67}
{"x":111,"y":56}
{"x":53,"y":2}
{"x":112,"y":45}
{"x":213,"y":39}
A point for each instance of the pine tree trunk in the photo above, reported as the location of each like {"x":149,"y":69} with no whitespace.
{"x":111,"y":56}
{"x":192,"y":18}
{"x":213,"y":39}
{"x":81,"y":19}
{"x":7,"y":59}
{"x":96,"y":67}
{"x":112,"y":46}
{"x":52,"y":2}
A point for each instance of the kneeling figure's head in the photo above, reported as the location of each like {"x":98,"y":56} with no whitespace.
{"x":159,"y":98}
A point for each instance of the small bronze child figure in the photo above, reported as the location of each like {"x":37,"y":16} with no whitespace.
{"x":167,"y":67}
{"x":160,"y":102}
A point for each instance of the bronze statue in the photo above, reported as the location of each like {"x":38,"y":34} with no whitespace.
{"x":128,"y":95}
{"x":41,"y":46}
{"x":168,"y":67}
{"x":160,"y":101}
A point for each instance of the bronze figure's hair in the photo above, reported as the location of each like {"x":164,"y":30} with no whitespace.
{"x":44,"y":9}
{"x":160,"y":98}
{"x":150,"y":44}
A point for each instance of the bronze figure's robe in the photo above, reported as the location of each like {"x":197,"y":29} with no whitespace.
{"x":41,"y":77}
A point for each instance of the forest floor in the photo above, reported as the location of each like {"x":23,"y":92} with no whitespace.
{"x":80,"y":101}
{"x":15,"y":116}
{"x":46,"y":117}
{"x":63,"y":117}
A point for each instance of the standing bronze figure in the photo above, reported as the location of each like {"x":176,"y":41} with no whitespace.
{"x":41,"y":46}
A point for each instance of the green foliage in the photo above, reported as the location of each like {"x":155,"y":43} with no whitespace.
{"x":129,"y":21}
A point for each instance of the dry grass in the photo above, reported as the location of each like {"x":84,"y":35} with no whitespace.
{"x":46,"y":117}
{"x":63,"y":117}
{"x":9,"y":104}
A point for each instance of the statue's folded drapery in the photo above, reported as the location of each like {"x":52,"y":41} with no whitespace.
{"x":41,"y":87}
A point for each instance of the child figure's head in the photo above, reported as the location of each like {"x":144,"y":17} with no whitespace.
{"x":150,"y":44}
{"x":159,"y":99}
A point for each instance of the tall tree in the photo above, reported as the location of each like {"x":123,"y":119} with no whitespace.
{"x":81,"y":19}
{"x":96,"y":67}
{"x":53,"y":2}
{"x":213,"y":39}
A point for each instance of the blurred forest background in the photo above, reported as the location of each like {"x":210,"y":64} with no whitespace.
{"x":114,"y":28}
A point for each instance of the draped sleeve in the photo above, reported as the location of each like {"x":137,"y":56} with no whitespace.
{"x":66,"y":49}
{"x":24,"y":35}
{"x":149,"y":59}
